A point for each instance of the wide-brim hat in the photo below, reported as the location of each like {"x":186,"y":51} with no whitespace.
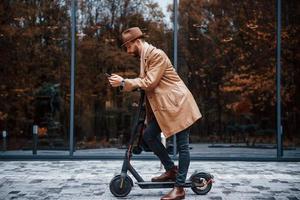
{"x":131,"y":34}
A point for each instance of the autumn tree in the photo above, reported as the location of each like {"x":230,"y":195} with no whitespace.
{"x":227,"y":49}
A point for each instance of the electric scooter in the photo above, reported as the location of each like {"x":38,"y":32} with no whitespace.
{"x":121,"y":184}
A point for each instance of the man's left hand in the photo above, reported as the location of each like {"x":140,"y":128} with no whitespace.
{"x":115,"y":80}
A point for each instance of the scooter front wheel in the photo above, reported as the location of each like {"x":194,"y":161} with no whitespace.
{"x":120,"y":187}
{"x":202,"y":183}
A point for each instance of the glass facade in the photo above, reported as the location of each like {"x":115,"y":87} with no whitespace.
{"x":34,"y":77}
{"x":226,"y":55}
{"x":228,"y":61}
{"x":104,"y":115}
{"x":290,"y":74}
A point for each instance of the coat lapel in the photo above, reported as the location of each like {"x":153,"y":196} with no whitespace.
{"x":144,"y":56}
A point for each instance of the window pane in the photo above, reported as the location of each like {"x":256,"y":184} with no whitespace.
{"x":290,"y":74}
{"x":103,"y":114}
{"x":34,"y":73}
{"x":226,"y":54}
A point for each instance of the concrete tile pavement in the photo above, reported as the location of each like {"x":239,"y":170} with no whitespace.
{"x":89,"y":180}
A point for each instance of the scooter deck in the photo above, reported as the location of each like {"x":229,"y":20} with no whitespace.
{"x":151,"y":185}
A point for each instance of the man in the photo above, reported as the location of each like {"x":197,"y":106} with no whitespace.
{"x":170,"y":107}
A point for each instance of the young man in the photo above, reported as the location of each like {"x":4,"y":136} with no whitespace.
{"x":170,"y":106}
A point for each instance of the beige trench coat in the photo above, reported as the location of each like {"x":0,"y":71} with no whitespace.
{"x":171,"y":101}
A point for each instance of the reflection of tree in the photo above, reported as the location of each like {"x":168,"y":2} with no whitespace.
{"x":34,"y":51}
{"x":98,"y":51}
{"x":227,"y":51}
{"x":226,"y":56}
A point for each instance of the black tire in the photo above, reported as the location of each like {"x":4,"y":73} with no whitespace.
{"x":115,"y":186}
{"x":202,"y":183}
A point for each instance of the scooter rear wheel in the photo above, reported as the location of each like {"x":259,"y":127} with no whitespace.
{"x":202,"y":183}
{"x":120,"y":188}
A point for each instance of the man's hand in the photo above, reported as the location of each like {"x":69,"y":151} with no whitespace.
{"x":115,"y":80}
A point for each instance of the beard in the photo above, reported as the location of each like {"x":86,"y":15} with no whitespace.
{"x":135,"y":53}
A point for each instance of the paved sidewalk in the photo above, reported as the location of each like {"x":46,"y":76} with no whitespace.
{"x":88,"y":180}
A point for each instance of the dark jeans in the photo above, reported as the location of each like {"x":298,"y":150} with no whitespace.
{"x":152,"y":138}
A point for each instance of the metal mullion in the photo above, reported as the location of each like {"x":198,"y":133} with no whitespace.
{"x":73,"y":57}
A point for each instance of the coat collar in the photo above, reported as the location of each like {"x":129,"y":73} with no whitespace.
{"x":146,"y":50}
